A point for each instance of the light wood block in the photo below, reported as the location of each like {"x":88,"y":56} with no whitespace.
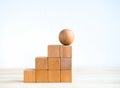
{"x":53,"y":63}
{"x":54,"y":75}
{"x":65,"y":51}
{"x":41,"y":63}
{"x":41,"y":75}
{"x":29,"y":76}
{"x":53,"y":50}
{"x":66,"y":75}
{"x":66,"y":63}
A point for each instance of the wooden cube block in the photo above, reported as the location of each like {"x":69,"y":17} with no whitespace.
{"x":29,"y":75}
{"x":54,"y":75}
{"x":66,"y":63}
{"x":65,"y":51}
{"x":53,"y":51}
{"x":53,"y":63}
{"x":41,"y":75}
{"x":66,"y":75}
{"x":41,"y":63}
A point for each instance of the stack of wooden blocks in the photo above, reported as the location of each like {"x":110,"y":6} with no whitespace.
{"x":57,"y":67}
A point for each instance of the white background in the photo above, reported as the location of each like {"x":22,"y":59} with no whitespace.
{"x":27,"y":27}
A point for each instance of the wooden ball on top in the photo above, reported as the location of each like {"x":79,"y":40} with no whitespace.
{"x":66,"y":37}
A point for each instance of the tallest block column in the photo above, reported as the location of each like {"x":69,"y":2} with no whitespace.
{"x":66,"y":63}
{"x":66,"y":37}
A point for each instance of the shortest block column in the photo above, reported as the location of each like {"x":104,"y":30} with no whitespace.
{"x":29,"y":75}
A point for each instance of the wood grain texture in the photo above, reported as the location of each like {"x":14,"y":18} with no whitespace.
{"x":66,"y":75}
{"x":53,"y":63}
{"x":41,"y":76}
{"x":41,"y":63}
{"x":54,"y":75}
{"x":66,"y":51}
{"x":29,"y":76}
{"x":66,"y":63}
{"x":66,"y":36}
{"x":53,"y":50}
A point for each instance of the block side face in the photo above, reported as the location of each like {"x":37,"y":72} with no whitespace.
{"x":41,"y":63}
{"x":54,"y":75}
{"x":29,"y":76}
{"x":66,"y":51}
{"x":41,"y":76}
{"x":53,"y":51}
{"x":66,"y":75}
{"x":66,"y":64}
{"x":53,"y":63}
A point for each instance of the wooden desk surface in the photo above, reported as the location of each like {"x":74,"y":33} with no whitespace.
{"x":82,"y":78}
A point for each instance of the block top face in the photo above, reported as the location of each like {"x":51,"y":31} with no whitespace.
{"x":65,"y":51}
{"x":29,"y":69}
{"x":53,"y":50}
{"x":41,"y":63}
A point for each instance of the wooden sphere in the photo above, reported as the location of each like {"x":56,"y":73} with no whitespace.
{"x":66,"y":37}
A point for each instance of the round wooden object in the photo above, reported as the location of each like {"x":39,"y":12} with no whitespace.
{"x":66,"y":37}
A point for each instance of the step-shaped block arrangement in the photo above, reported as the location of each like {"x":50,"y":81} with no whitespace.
{"x":57,"y":67}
